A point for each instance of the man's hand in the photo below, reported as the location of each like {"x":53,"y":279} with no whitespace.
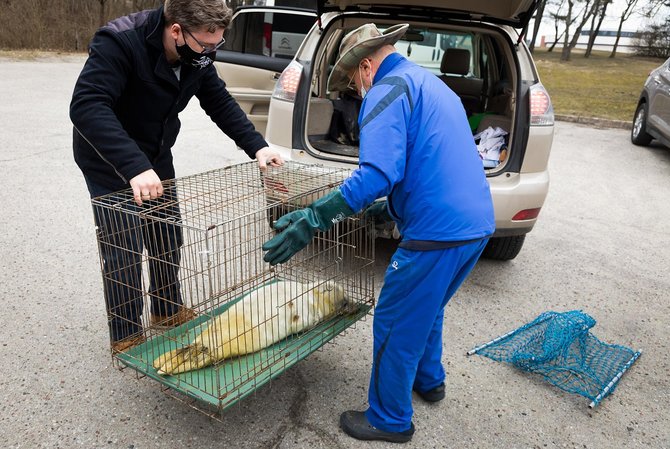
{"x":298,"y":227}
{"x":266,"y":156}
{"x":146,"y":186}
{"x":297,"y":230}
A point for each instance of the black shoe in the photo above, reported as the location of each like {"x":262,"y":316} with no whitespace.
{"x":356,"y":425}
{"x":434,"y":395}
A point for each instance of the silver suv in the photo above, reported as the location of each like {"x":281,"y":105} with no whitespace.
{"x":476,"y":48}
{"x":652,"y":116}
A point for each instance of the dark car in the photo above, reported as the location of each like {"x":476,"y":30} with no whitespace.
{"x":652,"y":116}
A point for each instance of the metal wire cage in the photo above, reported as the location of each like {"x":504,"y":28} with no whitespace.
{"x":192,"y":304}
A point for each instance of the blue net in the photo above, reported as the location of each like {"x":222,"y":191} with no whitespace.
{"x":560,"y":348}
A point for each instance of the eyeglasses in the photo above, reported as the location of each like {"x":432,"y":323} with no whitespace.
{"x":206,"y":48}
{"x":352,"y":83}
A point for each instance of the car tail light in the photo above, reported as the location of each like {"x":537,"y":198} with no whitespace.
{"x":288,"y":82}
{"x":541,"y":109}
{"x":526,"y":214}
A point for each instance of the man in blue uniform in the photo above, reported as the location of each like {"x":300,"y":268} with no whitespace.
{"x":416,"y":149}
{"x":141,"y":72}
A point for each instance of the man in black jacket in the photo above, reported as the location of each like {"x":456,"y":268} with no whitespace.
{"x":142,"y":70}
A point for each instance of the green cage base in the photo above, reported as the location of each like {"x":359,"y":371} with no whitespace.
{"x":226,"y":383}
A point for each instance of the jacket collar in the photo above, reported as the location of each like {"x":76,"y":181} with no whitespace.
{"x":387,"y":64}
{"x":155,"y":28}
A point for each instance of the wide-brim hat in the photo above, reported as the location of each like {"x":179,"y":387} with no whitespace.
{"x":356,"y":45}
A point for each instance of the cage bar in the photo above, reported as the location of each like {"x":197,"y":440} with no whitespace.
{"x":184,"y":274}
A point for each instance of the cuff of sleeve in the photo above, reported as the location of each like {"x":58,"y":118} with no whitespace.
{"x":135,"y":169}
{"x":347,"y":201}
{"x":254,"y":146}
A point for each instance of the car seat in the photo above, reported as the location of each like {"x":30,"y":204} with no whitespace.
{"x":455,"y":68}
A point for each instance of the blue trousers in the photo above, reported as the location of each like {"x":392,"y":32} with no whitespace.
{"x":122,"y":238}
{"x":407,"y":329}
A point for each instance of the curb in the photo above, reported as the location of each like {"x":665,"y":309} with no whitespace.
{"x":593,"y":121}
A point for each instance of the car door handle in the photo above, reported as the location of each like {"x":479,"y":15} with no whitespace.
{"x":275,"y":76}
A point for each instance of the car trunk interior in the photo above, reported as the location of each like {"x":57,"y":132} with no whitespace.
{"x":476,"y":63}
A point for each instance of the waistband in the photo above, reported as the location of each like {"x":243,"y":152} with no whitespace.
{"x":430,"y":245}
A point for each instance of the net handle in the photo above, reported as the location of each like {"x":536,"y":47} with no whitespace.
{"x":608,"y":388}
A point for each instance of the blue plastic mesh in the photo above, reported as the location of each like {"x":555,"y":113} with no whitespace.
{"x":559,"y":347}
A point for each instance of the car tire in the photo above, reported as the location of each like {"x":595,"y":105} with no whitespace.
{"x":638,"y":134}
{"x":504,"y":248}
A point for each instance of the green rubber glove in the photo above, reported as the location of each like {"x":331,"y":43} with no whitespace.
{"x":379,"y":212}
{"x":298,"y":227}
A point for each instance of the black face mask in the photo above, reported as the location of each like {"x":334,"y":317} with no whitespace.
{"x":188,"y":56}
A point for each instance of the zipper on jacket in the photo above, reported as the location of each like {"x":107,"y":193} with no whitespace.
{"x":101,"y":156}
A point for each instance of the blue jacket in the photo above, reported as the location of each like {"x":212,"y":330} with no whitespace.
{"x":416,"y":148}
{"x":127,"y":99}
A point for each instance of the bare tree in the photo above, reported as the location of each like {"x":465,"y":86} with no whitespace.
{"x":558,"y":17}
{"x":654,"y":41}
{"x":83,"y":18}
{"x":569,"y":20}
{"x":102,"y":20}
{"x":625,"y":15}
{"x":539,"y":12}
{"x":595,"y":28}
{"x":586,"y":13}
{"x":140,"y":5}
{"x":654,"y":7}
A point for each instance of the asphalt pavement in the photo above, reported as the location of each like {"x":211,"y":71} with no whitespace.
{"x":601,"y":245}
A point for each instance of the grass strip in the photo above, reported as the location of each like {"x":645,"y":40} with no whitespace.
{"x":597,"y":86}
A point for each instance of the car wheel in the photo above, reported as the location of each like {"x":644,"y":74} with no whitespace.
{"x":504,"y":248}
{"x":638,"y":134}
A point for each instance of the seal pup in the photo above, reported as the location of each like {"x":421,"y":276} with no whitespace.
{"x":263,"y":317}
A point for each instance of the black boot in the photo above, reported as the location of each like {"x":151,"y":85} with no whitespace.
{"x":356,"y":425}
{"x":434,"y":395}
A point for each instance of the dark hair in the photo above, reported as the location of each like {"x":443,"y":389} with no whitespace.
{"x":194,"y":14}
